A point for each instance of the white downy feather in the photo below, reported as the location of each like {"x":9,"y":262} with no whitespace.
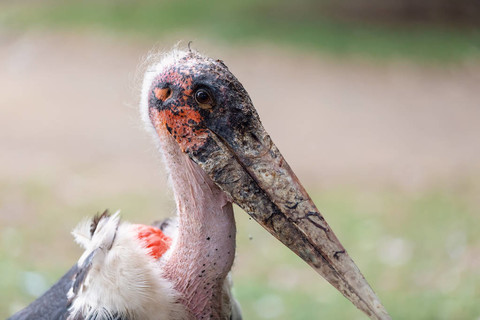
{"x":123,"y":280}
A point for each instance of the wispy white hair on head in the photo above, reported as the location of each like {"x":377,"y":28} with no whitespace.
{"x":156,"y":63}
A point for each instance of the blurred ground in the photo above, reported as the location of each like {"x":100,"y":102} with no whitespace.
{"x":390,"y":151}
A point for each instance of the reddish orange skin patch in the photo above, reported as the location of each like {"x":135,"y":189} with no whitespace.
{"x":154,"y":239}
{"x":177,"y":113}
{"x":184,"y":134}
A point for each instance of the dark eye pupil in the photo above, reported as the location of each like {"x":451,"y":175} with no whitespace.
{"x":202,"y":96}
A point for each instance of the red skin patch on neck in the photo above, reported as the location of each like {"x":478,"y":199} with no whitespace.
{"x":154,"y":239}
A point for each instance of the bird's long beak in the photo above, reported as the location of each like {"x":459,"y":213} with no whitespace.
{"x":245,"y":163}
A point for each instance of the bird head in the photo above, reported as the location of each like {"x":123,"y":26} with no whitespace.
{"x":200,"y":104}
{"x":196,"y":98}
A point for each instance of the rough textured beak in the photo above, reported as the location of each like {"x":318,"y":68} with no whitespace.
{"x":244,"y":162}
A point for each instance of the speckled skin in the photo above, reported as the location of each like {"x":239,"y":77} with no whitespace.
{"x":184,"y":118}
{"x":227,"y":140}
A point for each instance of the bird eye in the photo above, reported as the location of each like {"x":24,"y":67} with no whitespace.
{"x":203,"y":97}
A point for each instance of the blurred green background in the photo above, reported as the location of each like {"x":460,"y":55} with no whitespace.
{"x":375,"y":104}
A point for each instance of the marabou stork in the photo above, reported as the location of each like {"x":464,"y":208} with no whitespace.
{"x":217,"y":153}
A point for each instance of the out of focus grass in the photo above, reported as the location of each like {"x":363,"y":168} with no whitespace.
{"x":420,"y":251}
{"x":300,"y":24}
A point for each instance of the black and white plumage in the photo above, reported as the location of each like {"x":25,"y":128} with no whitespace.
{"x":115,"y":278}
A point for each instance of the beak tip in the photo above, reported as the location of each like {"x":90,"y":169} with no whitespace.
{"x":375,"y":308}
{"x":381,"y":312}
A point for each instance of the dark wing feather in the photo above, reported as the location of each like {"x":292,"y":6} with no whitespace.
{"x":81,"y":274}
{"x":53,"y":304}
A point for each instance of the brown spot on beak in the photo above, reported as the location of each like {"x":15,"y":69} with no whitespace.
{"x":163,"y":94}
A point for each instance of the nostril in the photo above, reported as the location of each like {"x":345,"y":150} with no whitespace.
{"x":163,"y":93}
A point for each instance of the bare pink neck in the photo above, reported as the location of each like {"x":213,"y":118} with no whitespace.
{"x":203,"y":252}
